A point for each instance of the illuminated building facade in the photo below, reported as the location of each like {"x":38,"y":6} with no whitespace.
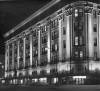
{"x":62,"y":48}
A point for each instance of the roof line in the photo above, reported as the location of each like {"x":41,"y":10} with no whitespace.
{"x":37,"y":13}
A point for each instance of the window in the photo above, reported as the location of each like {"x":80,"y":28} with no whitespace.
{"x":44,"y":50}
{"x":34,"y":33}
{"x":95,"y":42}
{"x":95,"y":55}
{"x":76,"y":12}
{"x":54,"y":35}
{"x":35,"y":42}
{"x":64,"y":30}
{"x":81,"y":42}
{"x":80,"y":12}
{"x":81,"y":53}
{"x":95,"y":28}
{"x":44,"y":39}
{"x":76,"y":53}
{"x":64,"y":44}
{"x":56,"y":47}
{"x":76,"y":40}
{"x":95,"y":14}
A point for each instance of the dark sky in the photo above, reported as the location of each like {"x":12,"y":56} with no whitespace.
{"x":13,"y":12}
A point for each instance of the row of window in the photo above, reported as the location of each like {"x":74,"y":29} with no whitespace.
{"x":54,"y":23}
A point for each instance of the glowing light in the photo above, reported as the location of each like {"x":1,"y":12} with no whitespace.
{"x":48,"y":71}
{"x":79,"y":77}
{"x":55,"y":80}
{"x":64,"y":67}
{"x":21,"y":81}
{"x":76,"y":40}
{"x":14,"y":81}
{"x":35,"y":80}
{"x":81,"y":54}
{"x":3,"y":81}
{"x":44,"y":80}
{"x":76,"y":12}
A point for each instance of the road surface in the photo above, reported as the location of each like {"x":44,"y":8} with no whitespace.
{"x":52,"y":88}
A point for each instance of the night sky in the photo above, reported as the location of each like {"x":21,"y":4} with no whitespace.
{"x":12,"y":12}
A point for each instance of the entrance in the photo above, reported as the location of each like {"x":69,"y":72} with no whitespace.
{"x":79,"y":80}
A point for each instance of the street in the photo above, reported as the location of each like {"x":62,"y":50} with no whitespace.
{"x":52,"y":88}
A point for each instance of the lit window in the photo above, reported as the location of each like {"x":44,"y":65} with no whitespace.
{"x":56,"y":47}
{"x":81,"y":53}
{"x":76,"y":40}
{"x":21,"y":81}
{"x":76,"y":53}
{"x":45,"y":28}
{"x":76,"y":12}
{"x":55,"y":80}
{"x":76,"y":77}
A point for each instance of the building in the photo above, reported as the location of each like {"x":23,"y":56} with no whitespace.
{"x":2,"y":68}
{"x":62,"y":48}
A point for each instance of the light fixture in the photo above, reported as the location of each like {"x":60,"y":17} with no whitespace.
{"x":79,"y":77}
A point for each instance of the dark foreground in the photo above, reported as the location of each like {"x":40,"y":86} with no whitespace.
{"x":52,"y":88}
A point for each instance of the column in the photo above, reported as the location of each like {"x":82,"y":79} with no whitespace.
{"x":48,"y":43}
{"x":18,"y":54}
{"x":31,"y":50}
{"x":24,"y":50}
{"x":90,"y":34}
{"x":6,"y":57}
{"x":71,"y":27}
{"x":98,"y":36}
{"x":68,"y":37}
{"x":86,"y":32}
{"x":13,"y":56}
{"x":60,"y":38}
{"x":39,"y":47}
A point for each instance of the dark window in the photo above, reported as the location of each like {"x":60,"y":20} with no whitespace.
{"x":44,"y":39}
{"x":95,"y":28}
{"x":95,"y":55}
{"x":64,"y":30}
{"x":95,"y":14}
{"x":95,"y":42}
{"x":34,"y":33}
{"x":64,"y":44}
{"x":81,"y":42}
{"x":54,"y":35}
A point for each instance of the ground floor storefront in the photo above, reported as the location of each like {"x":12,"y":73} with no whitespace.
{"x":54,"y":80}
